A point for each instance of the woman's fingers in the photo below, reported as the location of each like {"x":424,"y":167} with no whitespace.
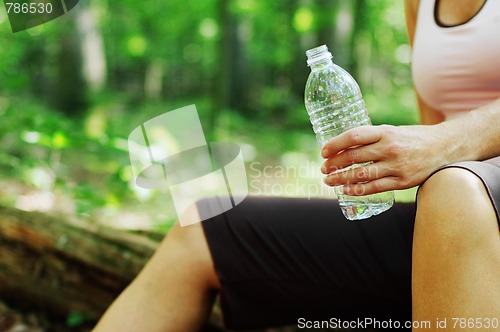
{"x":359,"y":155}
{"x":365,"y":180}
{"x":360,"y":174}
{"x":372,"y":187}
{"x":363,"y":135}
{"x":390,"y":157}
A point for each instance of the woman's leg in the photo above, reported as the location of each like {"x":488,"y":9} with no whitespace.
{"x":174,"y":291}
{"x":456,"y":252}
{"x":278,"y":260}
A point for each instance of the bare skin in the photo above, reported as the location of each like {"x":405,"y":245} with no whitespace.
{"x":457,"y":12}
{"x":174,"y":292}
{"x":456,"y":253}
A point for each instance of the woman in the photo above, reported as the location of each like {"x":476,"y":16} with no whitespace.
{"x":291,"y":261}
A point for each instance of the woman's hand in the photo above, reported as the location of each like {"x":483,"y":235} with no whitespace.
{"x":403,"y":157}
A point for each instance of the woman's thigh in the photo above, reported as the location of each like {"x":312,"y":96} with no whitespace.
{"x":456,"y":252}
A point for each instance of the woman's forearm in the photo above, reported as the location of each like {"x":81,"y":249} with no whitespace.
{"x":405,"y":156}
{"x":474,"y":136}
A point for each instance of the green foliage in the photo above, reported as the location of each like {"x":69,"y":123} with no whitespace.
{"x":179,"y":48}
{"x":76,"y":319}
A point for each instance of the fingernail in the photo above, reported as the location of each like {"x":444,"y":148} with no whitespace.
{"x":323,"y":169}
{"x":329,"y":180}
{"x":324,"y":153}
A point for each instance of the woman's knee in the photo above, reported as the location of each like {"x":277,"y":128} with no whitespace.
{"x":186,"y":240}
{"x":454,"y":205}
{"x":450,"y":184}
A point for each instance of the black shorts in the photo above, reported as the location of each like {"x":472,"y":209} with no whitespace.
{"x":286,"y":261}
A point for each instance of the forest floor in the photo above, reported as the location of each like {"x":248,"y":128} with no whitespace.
{"x":15,"y":320}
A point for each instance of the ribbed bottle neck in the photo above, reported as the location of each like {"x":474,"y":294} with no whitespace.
{"x":321,"y":64}
{"x":319,"y":57}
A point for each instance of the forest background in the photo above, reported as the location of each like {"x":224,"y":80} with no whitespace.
{"x":73,"y":89}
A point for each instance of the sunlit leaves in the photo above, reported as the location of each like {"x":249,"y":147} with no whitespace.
{"x":137,"y":45}
{"x":303,"y":19}
{"x":208,"y":28}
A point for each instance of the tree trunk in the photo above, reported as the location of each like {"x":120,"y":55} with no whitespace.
{"x":298,"y":71}
{"x":359,"y":17}
{"x":92,"y":47}
{"x":223,"y":76}
{"x":230,"y":88}
{"x":327,"y":33}
{"x":69,"y":93}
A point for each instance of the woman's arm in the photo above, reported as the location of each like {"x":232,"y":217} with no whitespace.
{"x":405,"y":156}
{"x":477,"y":133}
{"x":411,"y":10}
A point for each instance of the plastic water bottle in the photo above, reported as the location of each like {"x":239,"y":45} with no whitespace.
{"x":334,"y":103}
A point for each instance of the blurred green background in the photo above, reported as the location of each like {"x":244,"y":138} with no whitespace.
{"x":73,"y":89}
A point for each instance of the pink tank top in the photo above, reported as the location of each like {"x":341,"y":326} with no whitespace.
{"x":456,"y":69}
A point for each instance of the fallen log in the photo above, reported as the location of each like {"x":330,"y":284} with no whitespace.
{"x":68,"y":267}
{"x":65,"y":267}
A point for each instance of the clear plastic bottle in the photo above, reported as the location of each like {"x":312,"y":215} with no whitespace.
{"x":334,"y":103}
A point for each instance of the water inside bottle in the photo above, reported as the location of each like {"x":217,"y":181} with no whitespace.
{"x":362,"y":207}
{"x":357,"y":211}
